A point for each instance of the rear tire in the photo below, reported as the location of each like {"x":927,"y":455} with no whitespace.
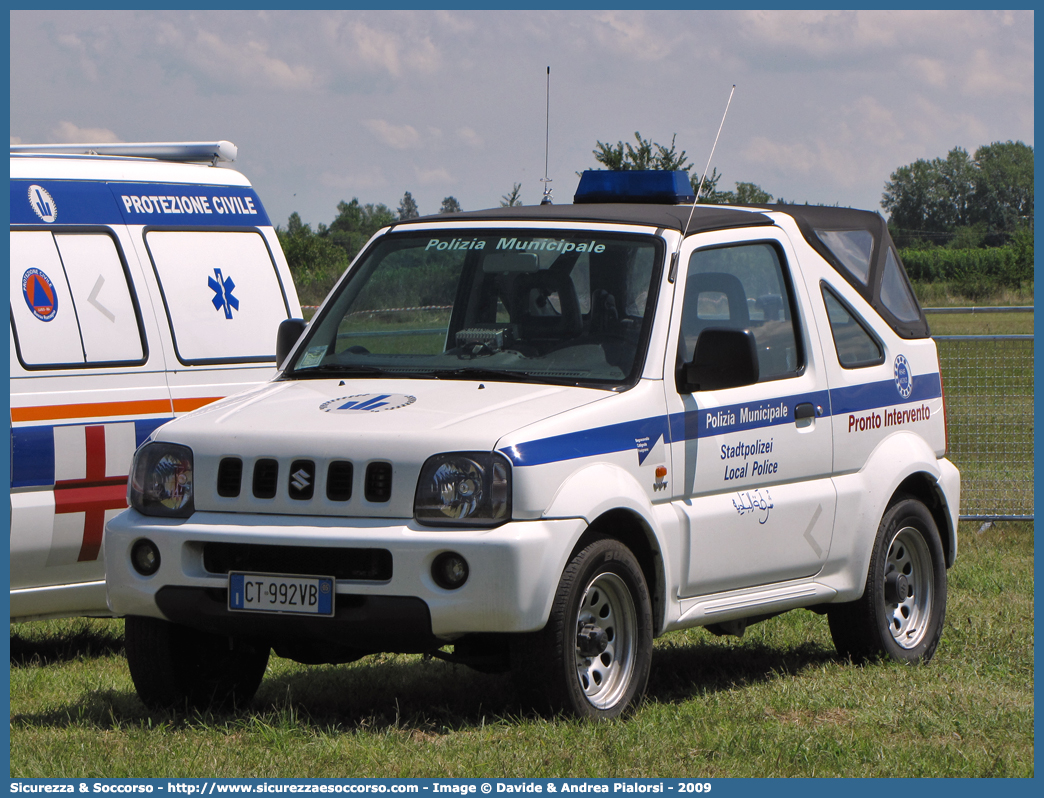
{"x":176,"y":668}
{"x":592,"y":660}
{"x":900,"y":614}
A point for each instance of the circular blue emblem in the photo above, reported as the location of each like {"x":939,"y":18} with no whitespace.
{"x":367,"y":403}
{"x":40,"y":295}
{"x":42,"y":204}
{"x":903,"y":376}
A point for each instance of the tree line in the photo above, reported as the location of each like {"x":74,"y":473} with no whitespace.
{"x":961,"y":202}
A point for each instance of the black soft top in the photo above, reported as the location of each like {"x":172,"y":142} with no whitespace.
{"x":704,"y":218}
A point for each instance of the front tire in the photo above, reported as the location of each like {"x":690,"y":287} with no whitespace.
{"x":592,"y":660}
{"x":900,"y":614}
{"x":176,"y":668}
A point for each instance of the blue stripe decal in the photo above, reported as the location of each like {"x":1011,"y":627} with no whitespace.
{"x":874,"y":395}
{"x":32,"y":450}
{"x":167,"y":204}
{"x":32,"y":456}
{"x":749,"y":415}
{"x":628,"y":436}
{"x":643,"y":434}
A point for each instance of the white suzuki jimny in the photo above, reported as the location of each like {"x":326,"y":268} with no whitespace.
{"x":536,"y":438}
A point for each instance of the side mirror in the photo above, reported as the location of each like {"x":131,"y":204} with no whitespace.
{"x":723,"y":358}
{"x":289,"y":332}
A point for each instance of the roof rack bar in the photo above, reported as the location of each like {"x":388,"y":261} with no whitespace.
{"x":184,"y":151}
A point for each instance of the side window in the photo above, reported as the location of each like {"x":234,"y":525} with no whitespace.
{"x":895,"y":292}
{"x":855,"y":344}
{"x":742,"y":286}
{"x":71,"y":304}
{"x":222,"y":293}
{"x":108,"y":321}
{"x":854,"y":248}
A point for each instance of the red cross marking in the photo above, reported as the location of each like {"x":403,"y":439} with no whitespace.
{"x":92,"y":495}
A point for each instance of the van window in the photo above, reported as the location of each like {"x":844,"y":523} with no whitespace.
{"x":70,"y":301}
{"x":742,"y":287}
{"x":223,"y":297}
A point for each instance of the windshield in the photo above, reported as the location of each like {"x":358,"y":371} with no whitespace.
{"x":562,"y":306}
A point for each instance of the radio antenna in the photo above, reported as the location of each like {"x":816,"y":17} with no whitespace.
{"x":677,"y":252}
{"x":547,"y":137}
{"x":709,"y":159}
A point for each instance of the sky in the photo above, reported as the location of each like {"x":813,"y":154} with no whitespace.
{"x":326,"y":106}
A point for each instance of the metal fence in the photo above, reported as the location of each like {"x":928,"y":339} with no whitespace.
{"x":988,"y":380}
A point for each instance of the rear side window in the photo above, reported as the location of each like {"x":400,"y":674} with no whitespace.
{"x":895,"y":291}
{"x":744,"y":287}
{"x":855,"y":345}
{"x":854,"y":248}
{"x":71,"y":303}
{"x":222,"y":293}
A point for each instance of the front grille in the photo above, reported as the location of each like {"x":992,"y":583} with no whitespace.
{"x":266,"y":475}
{"x":369,"y":565}
{"x":339,"y":481}
{"x":230,"y":477}
{"x":378,"y":482}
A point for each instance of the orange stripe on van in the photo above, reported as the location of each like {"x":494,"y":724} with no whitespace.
{"x":92,"y":410}
{"x":140,"y":407}
{"x":192,"y":403}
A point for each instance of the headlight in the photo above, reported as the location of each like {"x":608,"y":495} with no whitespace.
{"x":161,"y":481}
{"x":464,"y":488}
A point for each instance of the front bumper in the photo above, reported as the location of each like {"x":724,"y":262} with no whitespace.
{"x":514,"y":572}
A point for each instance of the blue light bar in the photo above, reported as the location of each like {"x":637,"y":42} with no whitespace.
{"x":634,"y":185}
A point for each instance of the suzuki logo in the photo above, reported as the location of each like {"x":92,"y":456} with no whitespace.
{"x":302,"y":479}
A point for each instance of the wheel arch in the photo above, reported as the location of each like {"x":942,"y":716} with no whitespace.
{"x":925,"y":488}
{"x":633,"y":531}
{"x":901,"y":465}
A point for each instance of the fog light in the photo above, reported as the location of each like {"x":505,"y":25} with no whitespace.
{"x":449,"y":570}
{"x":145,"y":557}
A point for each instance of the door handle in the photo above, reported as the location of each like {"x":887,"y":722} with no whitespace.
{"x":803,"y":411}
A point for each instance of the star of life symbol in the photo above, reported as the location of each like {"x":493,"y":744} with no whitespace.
{"x":222,"y":288}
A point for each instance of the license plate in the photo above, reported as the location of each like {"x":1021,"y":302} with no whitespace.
{"x":281,"y":593}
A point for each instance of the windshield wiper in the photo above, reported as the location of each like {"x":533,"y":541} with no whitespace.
{"x":474,"y":373}
{"x":333,"y":370}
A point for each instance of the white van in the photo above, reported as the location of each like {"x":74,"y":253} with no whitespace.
{"x":145,"y":282}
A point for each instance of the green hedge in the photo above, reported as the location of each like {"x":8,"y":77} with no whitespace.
{"x":971,"y":272}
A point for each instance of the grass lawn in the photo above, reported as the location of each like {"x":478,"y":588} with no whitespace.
{"x":777,"y":702}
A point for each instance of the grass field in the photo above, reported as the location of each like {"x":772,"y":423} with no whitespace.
{"x":777,"y":702}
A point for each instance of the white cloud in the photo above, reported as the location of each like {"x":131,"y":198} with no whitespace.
{"x":470,"y":137}
{"x":75,"y":44}
{"x":431,"y":177}
{"x":933,"y":71}
{"x":399,"y":137}
{"x":68,"y":133}
{"x":226,"y":62}
{"x":372,"y":178}
{"x":249,"y":61}
{"x":397,"y":49}
{"x":627,"y":33}
{"x":987,"y":74}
